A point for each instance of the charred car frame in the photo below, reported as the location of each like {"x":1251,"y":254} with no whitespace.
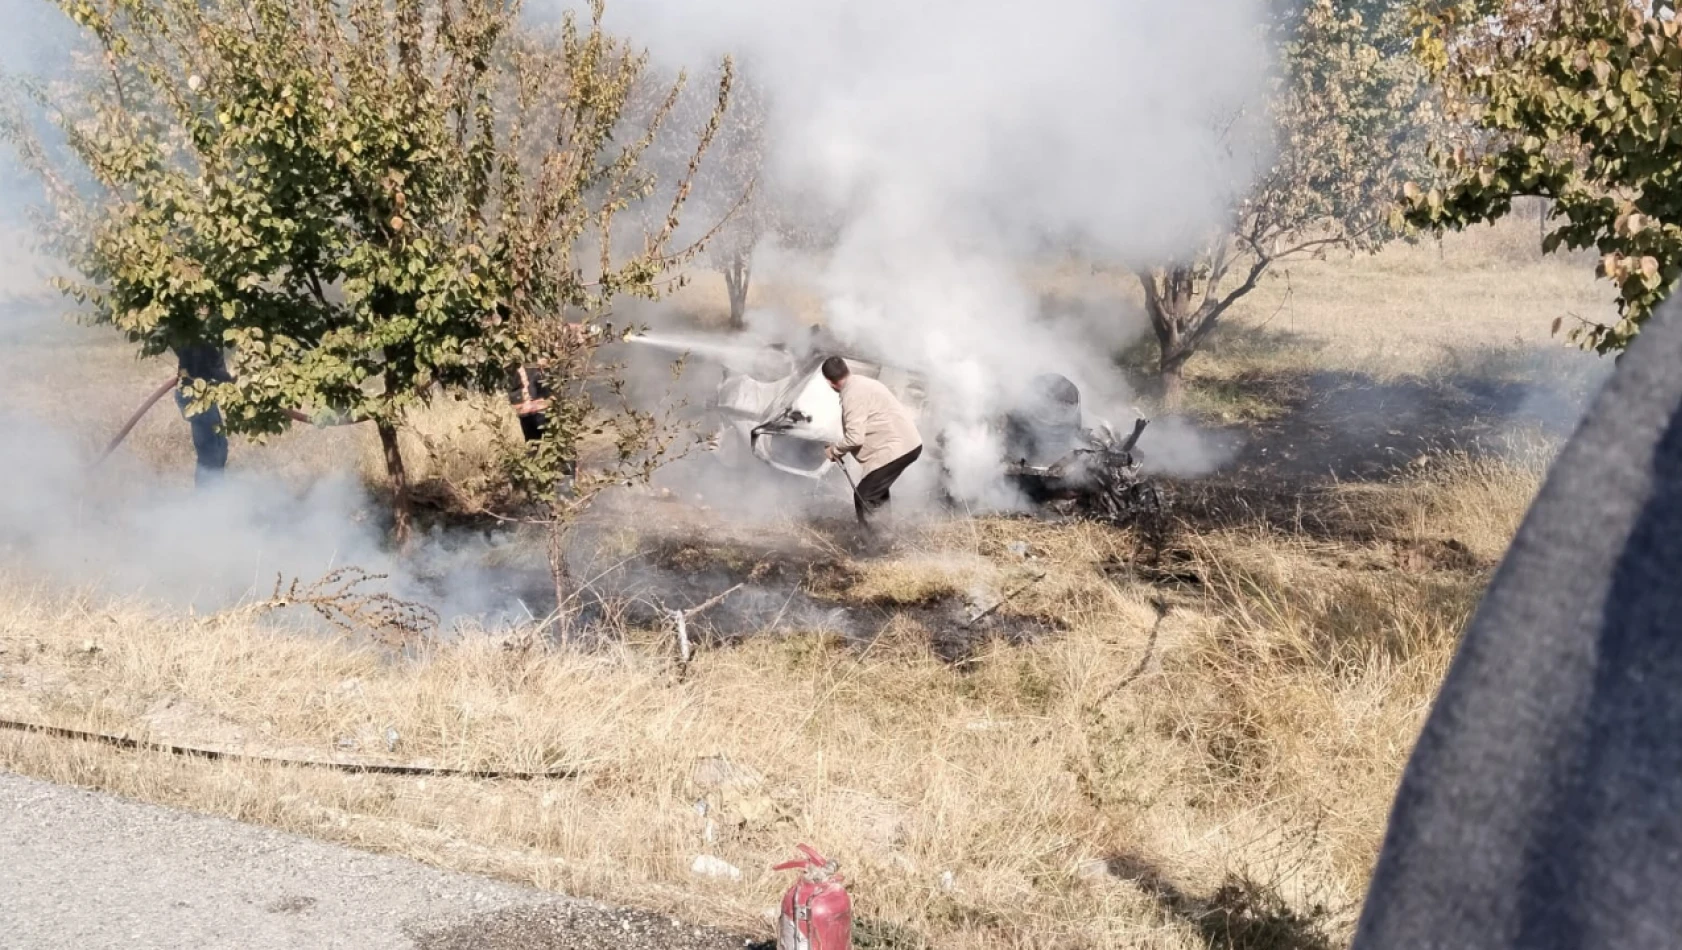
{"x":784,"y":413}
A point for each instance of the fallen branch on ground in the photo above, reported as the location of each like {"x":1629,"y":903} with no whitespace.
{"x":682,"y":618}
{"x":337,"y":598}
{"x":971,"y":622}
{"x":1138,"y":670}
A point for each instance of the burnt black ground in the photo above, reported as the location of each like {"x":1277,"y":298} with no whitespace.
{"x":1350,"y":427}
{"x":795,"y":587}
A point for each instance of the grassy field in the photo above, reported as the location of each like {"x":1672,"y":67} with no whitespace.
{"x":1192,"y":752}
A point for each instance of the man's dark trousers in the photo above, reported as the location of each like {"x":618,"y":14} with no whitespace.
{"x":872,"y":492}
{"x":210,"y":446}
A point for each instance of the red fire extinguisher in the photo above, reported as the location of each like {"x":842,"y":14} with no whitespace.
{"x":817,"y":913}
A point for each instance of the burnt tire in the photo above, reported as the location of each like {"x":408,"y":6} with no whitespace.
{"x":1122,"y":499}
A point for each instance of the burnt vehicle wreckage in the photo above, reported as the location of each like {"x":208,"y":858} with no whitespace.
{"x":782,"y":413}
{"x":1056,"y":461}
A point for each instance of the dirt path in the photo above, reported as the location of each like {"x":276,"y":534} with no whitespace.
{"x":92,"y":871}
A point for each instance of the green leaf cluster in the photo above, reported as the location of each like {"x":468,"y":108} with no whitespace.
{"x":1578,"y":101}
{"x":366,"y":200}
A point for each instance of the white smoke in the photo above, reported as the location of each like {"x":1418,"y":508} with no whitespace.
{"x":958,"y":139}
{"x":955,"y":140}
{"x":114,"y":527}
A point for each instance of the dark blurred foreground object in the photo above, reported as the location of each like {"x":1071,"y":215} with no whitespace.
{"x":1542,"y":807}
{"x":203,"y":361}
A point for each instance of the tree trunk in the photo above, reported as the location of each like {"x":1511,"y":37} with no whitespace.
{"x":560,"y":574}
{"x":1167,"y":302}
{"x":400,"y":520}
{"x":1173,"y":351}
{"x":1171,"y":373}
{"x":736,"y":275}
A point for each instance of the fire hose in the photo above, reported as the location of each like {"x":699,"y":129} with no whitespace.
{"x":134,"y":420}
{"x":163,"y":391}
{"x":841,"y":463}
{"x":132,"y":744}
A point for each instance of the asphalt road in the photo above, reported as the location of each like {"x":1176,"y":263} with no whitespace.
{"x":91,"y":871}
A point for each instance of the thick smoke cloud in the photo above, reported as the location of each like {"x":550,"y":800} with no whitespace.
{"x":1093,"y":119}
{"x":958,"y":139}
{"x":37,"y":38}
{"x":955,"y":141}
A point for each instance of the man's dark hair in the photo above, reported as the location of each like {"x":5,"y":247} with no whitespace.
{"x":835,"y":369}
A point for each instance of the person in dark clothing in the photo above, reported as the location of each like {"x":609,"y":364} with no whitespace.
{"x":203,"y":361}
{"x":1542,"y":806}
{"x":529,"y":396}
{"x":529,"y":392}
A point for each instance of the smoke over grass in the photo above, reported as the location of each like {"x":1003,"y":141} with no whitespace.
{"x":116,"y":527}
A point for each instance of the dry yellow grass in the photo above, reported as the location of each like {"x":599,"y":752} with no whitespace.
{"x":1405,"y":311}
{"x":1036,"y":797}
{"x":1263,"y":739}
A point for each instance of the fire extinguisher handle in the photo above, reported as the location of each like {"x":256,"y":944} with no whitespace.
{"x":811,"y":859}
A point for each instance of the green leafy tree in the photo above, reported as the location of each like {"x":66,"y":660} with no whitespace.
{"x":1341,"y":113}
{"x":367,"y":200}
{"x":598,"y":438}
{"x":1578,"y":101}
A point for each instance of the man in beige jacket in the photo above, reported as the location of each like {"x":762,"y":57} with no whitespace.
{"x":876,"y":428}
